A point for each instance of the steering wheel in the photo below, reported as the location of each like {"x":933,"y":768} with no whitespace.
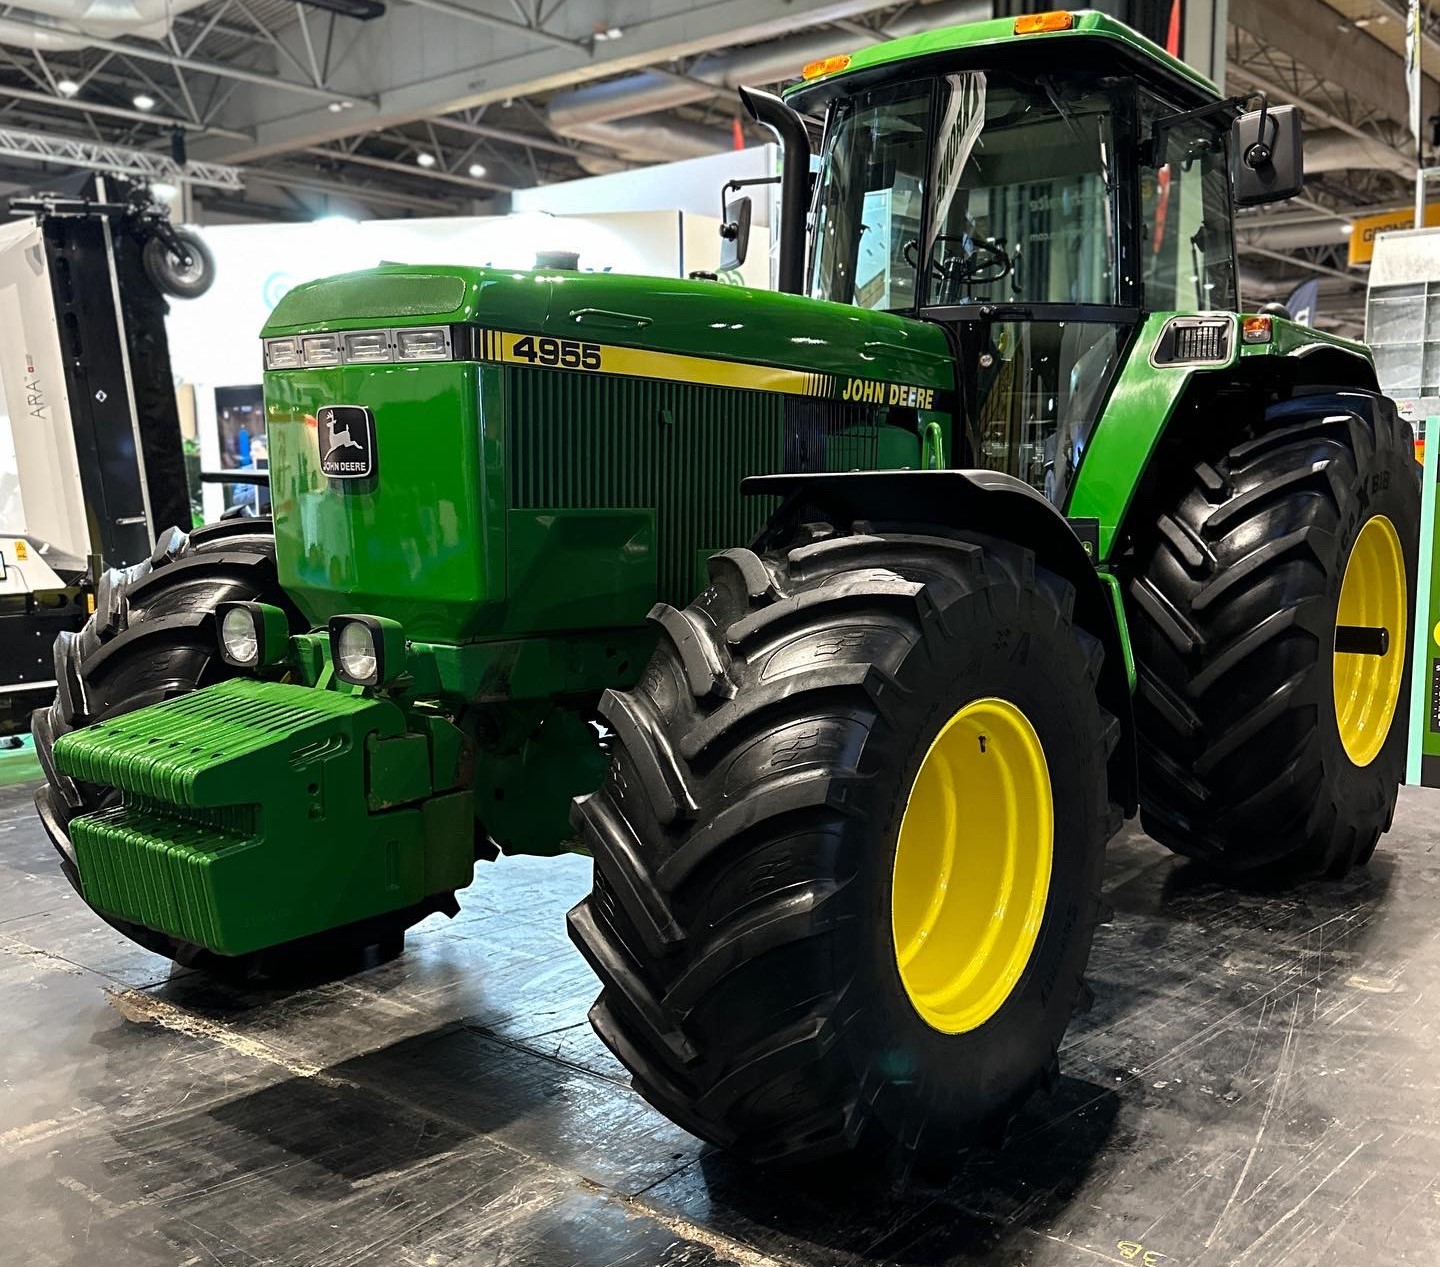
{"x":986,"y":262}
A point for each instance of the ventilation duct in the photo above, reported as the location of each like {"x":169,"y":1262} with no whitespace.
{"x":65,"y":26}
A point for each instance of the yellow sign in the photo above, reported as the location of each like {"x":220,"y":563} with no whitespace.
{"x":1364,"y":228}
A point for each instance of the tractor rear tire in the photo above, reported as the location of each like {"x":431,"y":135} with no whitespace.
{"x":1264,"y":750}
{"x":832,"y":755}
{"x":152,"y":637}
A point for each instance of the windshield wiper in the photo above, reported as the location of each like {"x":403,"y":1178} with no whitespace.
{"x":1059,"y":106}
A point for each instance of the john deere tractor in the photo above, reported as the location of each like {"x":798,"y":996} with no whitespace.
{"x":852,"y":620}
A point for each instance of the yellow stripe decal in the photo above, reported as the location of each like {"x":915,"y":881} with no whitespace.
{"x":604,"y":358}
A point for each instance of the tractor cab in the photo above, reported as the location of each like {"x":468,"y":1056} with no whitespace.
{"x":1036,"y":197}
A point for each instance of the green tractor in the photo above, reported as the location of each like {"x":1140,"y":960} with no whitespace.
{"x":1042,"y":532}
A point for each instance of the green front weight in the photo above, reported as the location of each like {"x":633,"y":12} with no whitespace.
{"x":254,"y":813}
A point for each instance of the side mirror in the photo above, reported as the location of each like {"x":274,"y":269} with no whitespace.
{"x":735,"y":230}
{"x":1266,"y":164}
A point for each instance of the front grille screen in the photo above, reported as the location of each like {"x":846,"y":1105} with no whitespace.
{"x":592,"y":442}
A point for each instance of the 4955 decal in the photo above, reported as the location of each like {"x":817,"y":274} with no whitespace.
{"x":568,"y":354}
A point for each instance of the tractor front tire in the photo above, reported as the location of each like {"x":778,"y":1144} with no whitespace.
{"x":847,"y":856}
{"x":1267,"y":747}
{"x":152,"y":637}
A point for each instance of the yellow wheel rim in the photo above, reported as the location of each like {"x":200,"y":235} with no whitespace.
{"x":1372,"y":597}
{"x":972,"y":866}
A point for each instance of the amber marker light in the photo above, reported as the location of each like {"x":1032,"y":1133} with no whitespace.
{"x":1256,"y":330}
{"x":1039,"y":23}
{"x":825,"y":66}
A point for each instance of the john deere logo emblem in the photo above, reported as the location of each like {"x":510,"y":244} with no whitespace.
{"x":347,"y":442}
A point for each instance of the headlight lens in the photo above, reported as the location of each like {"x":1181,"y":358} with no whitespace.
{"x":367,"y":650}
{"x":321,"y":349}
{"x":356,"y":655}
{"x":239,"y":637}
{"x":253,"y":635}
{"x":283,"y":354}
{"x":368,"y":346}
{"x":429,"y":344}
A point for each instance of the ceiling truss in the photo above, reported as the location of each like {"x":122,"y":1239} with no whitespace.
{"x":292,"y":92}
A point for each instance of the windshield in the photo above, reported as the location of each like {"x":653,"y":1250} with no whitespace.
{"x":1023,"y":190}
{"x":868,"y":202}
{"x":1023,"y":211}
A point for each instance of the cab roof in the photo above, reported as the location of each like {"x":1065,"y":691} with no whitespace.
{"x":1100,"y":38}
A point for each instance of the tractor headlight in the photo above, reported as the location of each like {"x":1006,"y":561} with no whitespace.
{"x":252,"y":635}
{"x":367,"y":650}
{"x":431,"y":343}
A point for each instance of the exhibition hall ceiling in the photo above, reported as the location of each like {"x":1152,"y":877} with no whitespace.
{"x":445,"y":106}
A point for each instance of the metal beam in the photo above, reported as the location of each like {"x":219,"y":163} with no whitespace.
{"x":340,"y":188}
{"x":434,"y":65}
{"x":410,"y":169}
{"x":467,"y":14}
{"x":1306,"y":31}
{"x":144,"y":53}
{"x":512,"y":136}
{"x":117,"y":112}
{"x":1296,"y":262}
{"x":72,"y":152}
{"x":584,"y":47}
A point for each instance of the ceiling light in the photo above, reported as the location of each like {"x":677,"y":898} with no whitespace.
{"x":425,"y":159}
{"x":609,"y":33}
{"x":335,"y":107}
{"x":143,"y":101}
{"x":477,"y":170}
{"x":67,"y":87}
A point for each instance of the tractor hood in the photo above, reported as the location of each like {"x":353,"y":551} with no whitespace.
{"x":698,"y":318}
{"x":447,"y":444}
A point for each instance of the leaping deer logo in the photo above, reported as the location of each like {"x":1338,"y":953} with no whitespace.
{"x":340,"y":437}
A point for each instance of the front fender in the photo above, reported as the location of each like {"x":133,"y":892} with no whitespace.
{"x":982,"y":501}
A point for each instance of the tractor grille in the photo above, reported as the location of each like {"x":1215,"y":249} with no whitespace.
{"x":581,"y":442}
{"x":827,"y":435}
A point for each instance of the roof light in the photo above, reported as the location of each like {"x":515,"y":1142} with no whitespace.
{"x":67,"y":87}
{"x":143,"y":101}
{"x":826,"y":66}
{"x":477,"y":170}
{"x":1039,"y":23}
{"x":425,"y":158}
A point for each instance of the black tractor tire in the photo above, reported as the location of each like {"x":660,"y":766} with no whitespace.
{"x":744,"y":843}
{"x":152,"y":637}
{"x":172,"y":278}
{"x":1233,"y":610}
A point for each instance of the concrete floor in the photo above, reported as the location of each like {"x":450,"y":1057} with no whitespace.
{"x":1257,"y":1084}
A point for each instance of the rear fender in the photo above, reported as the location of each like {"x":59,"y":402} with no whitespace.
{"x":982,"y":501}
{"x":1153,"y":409}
